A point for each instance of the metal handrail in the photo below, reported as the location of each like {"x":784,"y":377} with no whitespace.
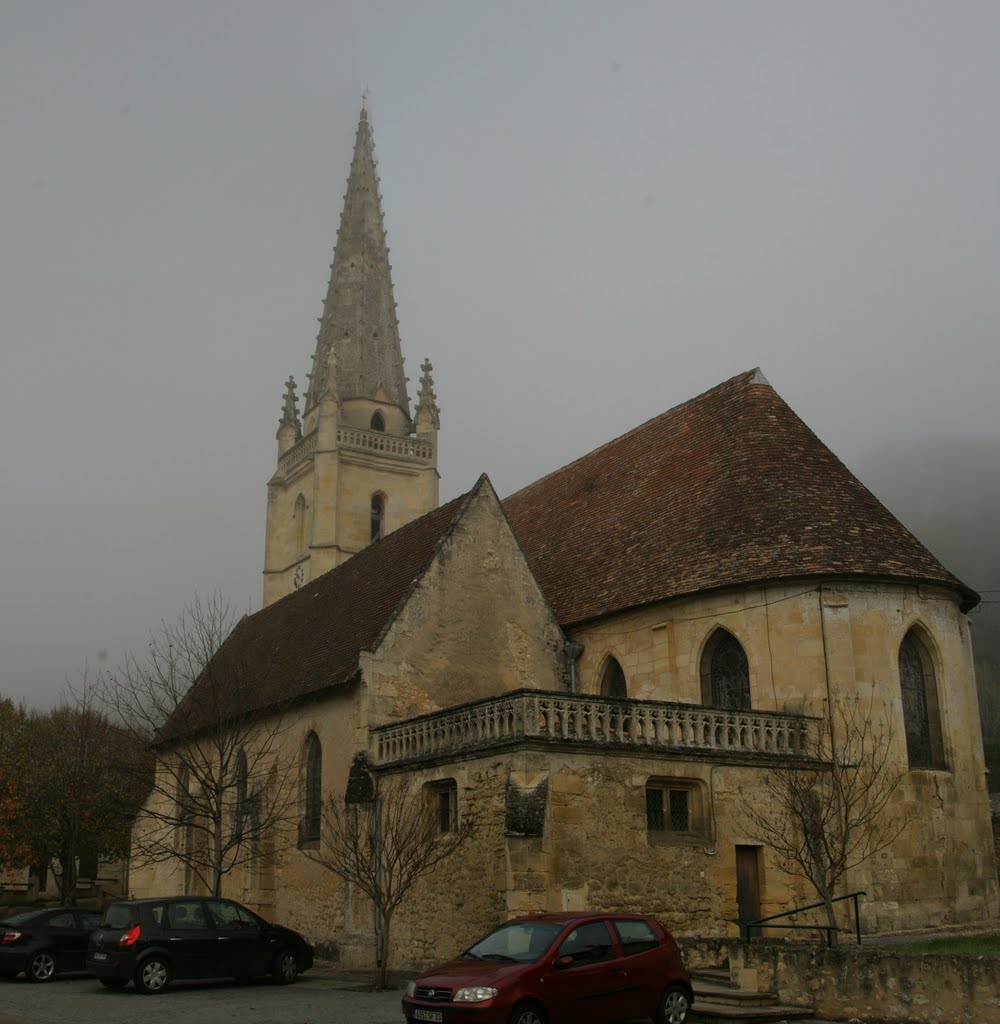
{"x":763,"y":922}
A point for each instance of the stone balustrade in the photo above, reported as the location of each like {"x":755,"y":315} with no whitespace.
{"x":385,"y":444}
{"x":358,"y":439}
{"x":656,"y":726}
{"x":299,"y":452}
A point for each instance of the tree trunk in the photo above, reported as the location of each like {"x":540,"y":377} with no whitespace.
{"x":831,"y":918}
{"x":384,"y":966}
{"x":67,"y":879}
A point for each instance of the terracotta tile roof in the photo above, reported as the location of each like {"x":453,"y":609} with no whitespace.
{"x":311,"y":640}
{"x":729,"y":488}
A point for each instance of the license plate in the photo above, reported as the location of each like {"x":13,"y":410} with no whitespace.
{"x":100,"y":956}
{"x":419,"y":1014}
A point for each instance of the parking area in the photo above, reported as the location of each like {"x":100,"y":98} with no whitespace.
{"x":318,"y":998}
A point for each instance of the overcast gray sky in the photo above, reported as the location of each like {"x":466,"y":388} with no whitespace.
{"x":595,"y":211}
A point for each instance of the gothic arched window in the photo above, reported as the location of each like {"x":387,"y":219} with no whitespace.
{"x":378,"y":516}
{"x":378,"y":423}
{"x":725,"y":673}
{"x":921,"y":718}
{"x":313,"y":790}
{"x":613,"y":680}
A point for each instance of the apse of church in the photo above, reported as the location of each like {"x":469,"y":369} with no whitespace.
{"x":355,"y":464}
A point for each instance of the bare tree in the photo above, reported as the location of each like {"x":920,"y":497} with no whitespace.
{"x":825,"y":818}
{"x":223,"y":785}
{"x":384,"y":836}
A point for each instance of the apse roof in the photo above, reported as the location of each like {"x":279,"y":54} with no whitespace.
{"x":730,"y":488}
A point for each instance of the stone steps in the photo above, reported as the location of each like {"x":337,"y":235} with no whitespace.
{"x":717,"y":1000}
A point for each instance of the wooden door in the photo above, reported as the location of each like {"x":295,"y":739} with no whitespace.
{"x":747,"y":885}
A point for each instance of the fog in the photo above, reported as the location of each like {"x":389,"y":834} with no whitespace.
{"x":595,"y":211}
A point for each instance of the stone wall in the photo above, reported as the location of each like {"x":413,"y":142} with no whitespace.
{"x":863,"y":983}
{"x":476,"y":625}
{"x":808,"y":645}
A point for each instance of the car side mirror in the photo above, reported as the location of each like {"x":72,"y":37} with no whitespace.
{"x":562,"y":962}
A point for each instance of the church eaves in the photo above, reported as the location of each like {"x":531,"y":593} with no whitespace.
{"x":359,"y":314}
{"x":729,"y":489}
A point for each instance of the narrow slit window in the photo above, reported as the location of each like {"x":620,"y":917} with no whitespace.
{"x":378,"y":517}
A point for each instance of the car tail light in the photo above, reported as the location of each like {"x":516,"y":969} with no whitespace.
{"x":9,"y":938}
{"x":129,"y":937}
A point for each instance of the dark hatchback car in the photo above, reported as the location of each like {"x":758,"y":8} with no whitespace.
{"x":151,"y":942}
{"x":558,"y":969}
{"x":44,"y":943}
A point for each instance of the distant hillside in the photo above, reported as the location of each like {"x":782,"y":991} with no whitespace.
{"x":947,"y":492}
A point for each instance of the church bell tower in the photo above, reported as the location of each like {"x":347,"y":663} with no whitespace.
{"x":356,"y":464}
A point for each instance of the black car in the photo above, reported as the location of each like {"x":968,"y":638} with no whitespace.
{"x":44,"y":943}
{"x":153,"y":941}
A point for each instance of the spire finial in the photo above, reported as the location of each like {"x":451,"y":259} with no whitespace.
{"x":290,"y":412}
{"x":426,"y":399}
{"x":364,"y":102}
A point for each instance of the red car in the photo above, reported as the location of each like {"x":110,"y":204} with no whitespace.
{"x":558,"y":969}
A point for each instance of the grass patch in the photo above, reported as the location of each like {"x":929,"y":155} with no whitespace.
{"x":958,"y":945}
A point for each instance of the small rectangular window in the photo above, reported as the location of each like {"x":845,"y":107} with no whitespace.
{"x":443,"y":798}
{"x":680,"y":816}
{"x":673,"y":808}
{"x":445,"y":822}
{"x":654,"y":809}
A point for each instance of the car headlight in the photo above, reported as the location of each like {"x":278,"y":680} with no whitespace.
{"x":474,"y":994}
{"x":411,"y":989}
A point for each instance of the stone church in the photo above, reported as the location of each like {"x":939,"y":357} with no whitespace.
{"x":598,"y":666}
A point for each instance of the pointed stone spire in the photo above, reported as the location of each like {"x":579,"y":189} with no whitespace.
{"x":359,"y":315}
{"x":426,"y":399}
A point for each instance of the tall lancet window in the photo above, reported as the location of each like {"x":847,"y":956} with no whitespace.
{"x":313,"y":790}
{"x":921,"y":717}
{"x":377,"y":422}
{"x":725,"y":673}
{"x":613,"y":680}
{"x":378,"y":516}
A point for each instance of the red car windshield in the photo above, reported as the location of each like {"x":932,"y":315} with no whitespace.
{"x":518,"y":942}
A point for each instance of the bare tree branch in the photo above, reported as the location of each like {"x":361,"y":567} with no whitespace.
{"x":825,"y":820}
{"x":383,"y":843}
{"x":223,"y":783}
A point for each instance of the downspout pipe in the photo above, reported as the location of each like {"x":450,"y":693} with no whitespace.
{"x":572,"y":650}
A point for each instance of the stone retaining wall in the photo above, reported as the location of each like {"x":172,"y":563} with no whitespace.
{"x":862,"y":983}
